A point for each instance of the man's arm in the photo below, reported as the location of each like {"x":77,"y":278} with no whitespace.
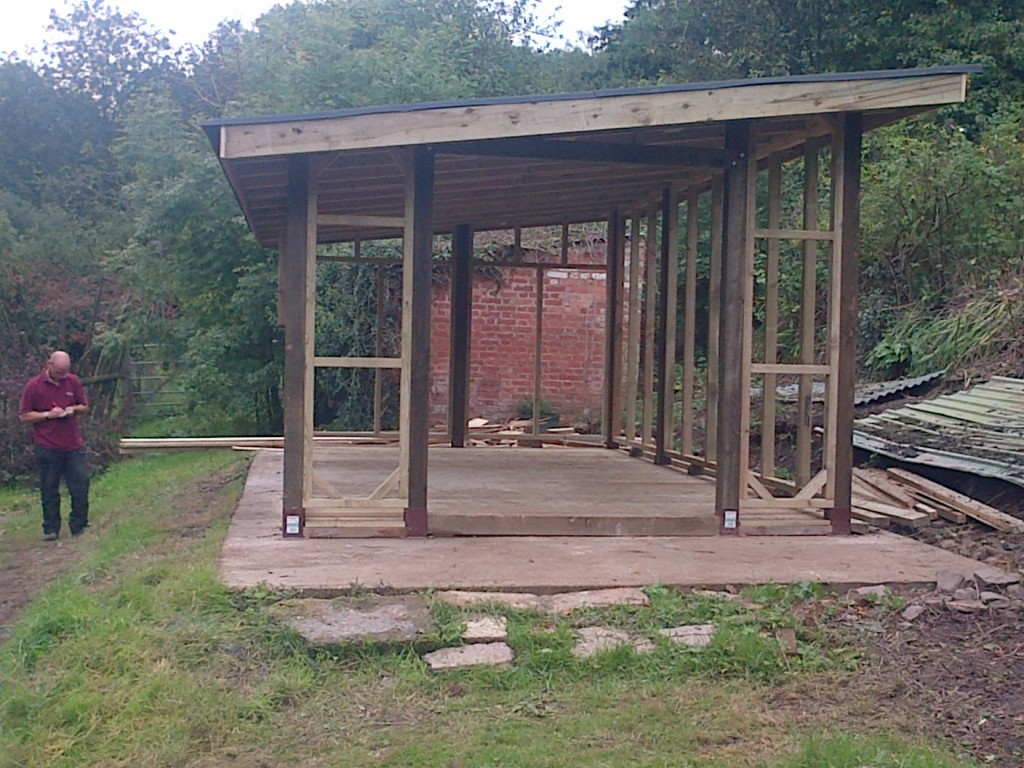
{"x":31,"y":417}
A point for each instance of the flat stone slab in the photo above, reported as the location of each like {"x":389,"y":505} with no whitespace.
{"x":993,"y":577}
{"x":517,"y":601}
{"x":562,"y":603}
{"x":567,"y":602}
{"x":693,"y":635}
{"x":486,"y":629}
{"x":593,"y":640}
{"x":482,"y":654}
{"x":399,"y":618}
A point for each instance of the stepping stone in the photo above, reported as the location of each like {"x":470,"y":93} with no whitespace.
{"x":594,"y":640}
{"x":517,"y":601}
{"x":482,"y":654}
{"x":399,"y":618}
{"x":567,"y":602}
{"x":993,"y":577}
{"x":948,"y":581}
{"x":486,"y":629}
{"x":693,"y":635}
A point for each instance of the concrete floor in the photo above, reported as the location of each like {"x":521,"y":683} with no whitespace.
{"x":254,"y":553}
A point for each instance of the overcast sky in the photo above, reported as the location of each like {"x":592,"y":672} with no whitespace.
{"x":23,"y":22}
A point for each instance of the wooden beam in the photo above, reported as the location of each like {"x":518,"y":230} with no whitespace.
{"x":357,"y":362}
{"x":538,"y":350}
{"x":714,"y":315}
{"x":461,"y":322}
{"x":650,"y":306}
{"x":771,"y":319}
{"x":298,"y":268}
{"x":416,"y":290}
{"x":846,"y":151}
{"x":689,"y":323}
{"x":378,"y":345}
{"x":588,"y":152}
{"x":734,"y":327}
{"x":462,"y":122}
{"x":633,"y":327}
{"x":612,"y":329}
{"x":665,"y":360}
{"x":362,"y":221}
{"x":808,"y":311}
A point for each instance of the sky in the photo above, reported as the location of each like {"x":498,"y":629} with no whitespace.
{"x":23,"y":22}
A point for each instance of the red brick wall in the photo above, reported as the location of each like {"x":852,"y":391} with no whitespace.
{"x":502,"y":349}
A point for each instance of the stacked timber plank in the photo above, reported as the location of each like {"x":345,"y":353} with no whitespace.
{"x":898,"y":498}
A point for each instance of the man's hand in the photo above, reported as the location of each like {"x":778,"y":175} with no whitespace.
{"x":56,"y":413}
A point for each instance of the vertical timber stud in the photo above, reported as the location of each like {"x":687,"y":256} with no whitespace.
{"x":734,"y":319}
{"x":690,"y":323}
{"x":612,"y":330}
{"x":461,"y":318}
{"x":714,"y":316}
{"x":846,"y":202}
{"x":417,"y":269}
{"x":808,"y":304}
{"x":665,"y":355}
{"x":771,"y":318}
{"x":650,"y":305}
{"x":298,"y":275}
{"x":633,"y":327}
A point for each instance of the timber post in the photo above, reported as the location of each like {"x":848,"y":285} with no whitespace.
{"x":297,"y":273}
{"x":734,"y":322}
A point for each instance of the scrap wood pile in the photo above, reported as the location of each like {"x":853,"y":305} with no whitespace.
{"x":509,"y":434}
{"x":896,"y":497}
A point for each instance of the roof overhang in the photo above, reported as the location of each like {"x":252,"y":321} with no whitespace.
{"x":540,"y":160}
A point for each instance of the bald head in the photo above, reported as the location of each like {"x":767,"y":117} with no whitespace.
{"x":59,"y":365}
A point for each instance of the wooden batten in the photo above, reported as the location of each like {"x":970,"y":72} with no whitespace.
{"x":611,"y":416}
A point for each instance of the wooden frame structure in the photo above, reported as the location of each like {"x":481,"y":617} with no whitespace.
{"x":636,"y":159}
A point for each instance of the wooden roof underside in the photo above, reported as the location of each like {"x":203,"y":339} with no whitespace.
{"x":547,"y":161}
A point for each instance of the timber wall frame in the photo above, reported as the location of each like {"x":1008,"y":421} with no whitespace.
{"x":635,"y":159}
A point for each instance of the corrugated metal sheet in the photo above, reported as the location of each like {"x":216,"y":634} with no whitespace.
{"x":863,"y":394}
{"x":979,"y":430}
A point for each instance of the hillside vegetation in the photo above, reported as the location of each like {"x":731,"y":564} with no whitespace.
{"x":118,"y":231}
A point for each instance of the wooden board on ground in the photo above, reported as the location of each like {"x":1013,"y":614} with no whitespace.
{"x":971,"y":507}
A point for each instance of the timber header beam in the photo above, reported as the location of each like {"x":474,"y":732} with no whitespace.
{"x":588,"y":113}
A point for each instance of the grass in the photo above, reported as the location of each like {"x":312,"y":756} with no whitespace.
{"x":138,"y":656}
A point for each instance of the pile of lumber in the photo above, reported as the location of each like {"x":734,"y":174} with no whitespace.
{"x":896,"y":497}
{"x":484,"y":433}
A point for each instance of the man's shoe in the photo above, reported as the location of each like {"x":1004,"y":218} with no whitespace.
{"x":80,"y":531}
{"x":50,"y":536}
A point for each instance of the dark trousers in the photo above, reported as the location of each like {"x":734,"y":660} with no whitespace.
{"x":73,"y":467}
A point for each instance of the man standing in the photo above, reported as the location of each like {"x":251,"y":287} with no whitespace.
{"x":51,"y":403}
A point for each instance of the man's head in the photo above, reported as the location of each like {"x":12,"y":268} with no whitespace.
{"x":59,"y":365}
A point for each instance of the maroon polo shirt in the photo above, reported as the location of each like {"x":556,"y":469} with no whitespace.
{"x":42,"y":394}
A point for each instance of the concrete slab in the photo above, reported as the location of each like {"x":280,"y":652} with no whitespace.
{"x":254,"y":553}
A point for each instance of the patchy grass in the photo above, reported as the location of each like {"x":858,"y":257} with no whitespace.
{"x":138,"y":656}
